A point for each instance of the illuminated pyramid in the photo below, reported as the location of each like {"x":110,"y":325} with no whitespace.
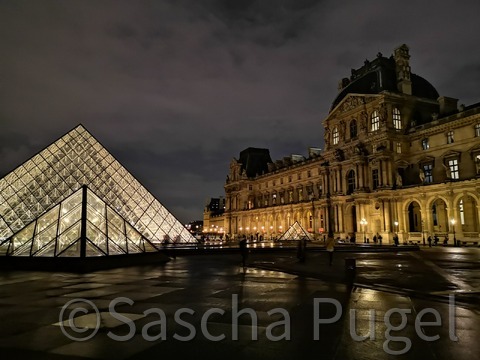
{"x":75,"y":199}
{"x":295,"y":232}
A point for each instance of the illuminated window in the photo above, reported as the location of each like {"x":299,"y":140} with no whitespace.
{"x":425,"y":144}
{"x":397,"y":119}
{"x":336,"y":136}
{"x":427,"y":170}
{"x":453,"y":166}
{"x":477,"y":130}
{"x":375,"y":121}
{"x":353,"y":129}
{"x":450,"y":137}
{"x":399,"y":147}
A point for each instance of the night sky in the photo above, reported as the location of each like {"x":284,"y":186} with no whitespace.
{"x":176,"y":89}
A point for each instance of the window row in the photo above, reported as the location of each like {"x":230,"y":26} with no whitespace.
{"x":450,"y":138}
{"x":374,"y":125}
{"x":286,"y":179}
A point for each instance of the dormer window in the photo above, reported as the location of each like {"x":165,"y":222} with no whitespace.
{"x":375,"y":121}
{"x":425,"y":144}
{"x":336,"y":136}
{"x":450,"y":137}
{"x":397,"y":119}
{"x":477,"y":130}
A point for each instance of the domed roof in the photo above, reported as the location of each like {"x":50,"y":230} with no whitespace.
{"x":380,"y":75}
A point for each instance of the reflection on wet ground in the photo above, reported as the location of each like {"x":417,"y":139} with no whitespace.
{"x":247,"y":314}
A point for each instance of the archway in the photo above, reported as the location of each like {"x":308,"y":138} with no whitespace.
{"x":351,"y":220}
{"x":468,"y":216}
{"x":414,"y":217}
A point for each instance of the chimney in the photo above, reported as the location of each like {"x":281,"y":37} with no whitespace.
{"x":402,"y":69}
{"x":448,"y":105}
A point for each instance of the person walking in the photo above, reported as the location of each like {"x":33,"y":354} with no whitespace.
{"x":429,"y":241}
{"x":244,"y":251}
{"x":301,"y":248}
{"x":330,"y":247}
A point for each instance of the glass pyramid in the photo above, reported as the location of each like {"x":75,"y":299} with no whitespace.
{"x":36,"y":189}
{"x":81,"y":225}
{"x":295,"y":232}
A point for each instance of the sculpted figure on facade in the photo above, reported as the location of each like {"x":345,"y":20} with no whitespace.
{"x":421,"y":175}
{"x":363,"y":121}
{"x":326,"y":137}
{"x":398,"y":179}
{"x":342,"y":128}
{"x":448,"y":172}
{"x":383,"y":113}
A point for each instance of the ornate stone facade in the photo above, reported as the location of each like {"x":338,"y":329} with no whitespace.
{"x":405,"y":161}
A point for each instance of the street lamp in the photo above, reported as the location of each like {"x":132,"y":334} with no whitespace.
{"x":454,"y":238}
{"x":396,"y":226}
{"x":364,"y":223}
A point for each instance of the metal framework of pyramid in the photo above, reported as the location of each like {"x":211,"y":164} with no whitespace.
{"x":295,"y":232}
{"x":42,"y":205}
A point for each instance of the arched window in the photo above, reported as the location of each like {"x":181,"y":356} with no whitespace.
{"x":397,"y":119}
{"x":375,"y":121}
{"x":335,"y":136}
{"x":353,"y":129}
{"x":350,"y":182}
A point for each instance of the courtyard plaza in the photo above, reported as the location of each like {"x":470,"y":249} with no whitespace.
{"x":31,"y":303}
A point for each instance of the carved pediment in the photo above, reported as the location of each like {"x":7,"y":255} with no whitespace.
{"x":452,"y":154}
{"x":426,"y":159}
{"x":402,"y":164}
{"x":352,"y":102}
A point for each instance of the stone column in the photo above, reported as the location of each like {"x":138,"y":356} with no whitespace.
{"x":340,"y":218}
{"x":386,"y":216}
{"x":380,"y":173}
{"x":361,"y":178}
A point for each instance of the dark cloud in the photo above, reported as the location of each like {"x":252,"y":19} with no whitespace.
{"x":176,"y":89}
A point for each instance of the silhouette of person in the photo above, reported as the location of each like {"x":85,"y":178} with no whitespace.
{"x":330,"y":247}
{"x":244,"y":251}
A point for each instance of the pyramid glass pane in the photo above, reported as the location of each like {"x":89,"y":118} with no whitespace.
{"x":47,"y":250}
{"x":22,"y":241}
{"x":97,"y":236}
{"x":92,"y":250}
{"x":45,"y":237}
{"x":73,"y":250}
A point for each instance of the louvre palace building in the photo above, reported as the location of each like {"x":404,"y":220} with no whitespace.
{"x":399,"y":158}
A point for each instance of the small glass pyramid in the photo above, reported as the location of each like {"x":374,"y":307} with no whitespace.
{"x":295,"y":232}
{"x":46,"y":187}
